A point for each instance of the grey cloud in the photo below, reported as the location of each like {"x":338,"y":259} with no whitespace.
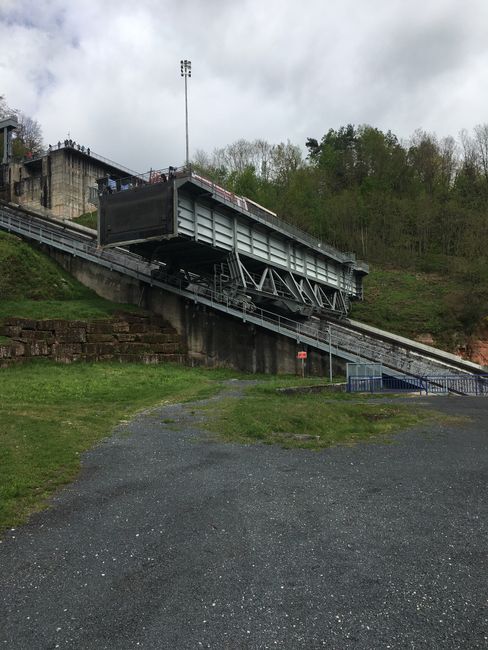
{"x":109,"y":71}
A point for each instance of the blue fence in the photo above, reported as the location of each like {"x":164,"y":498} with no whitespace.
{"x":457,"y":384}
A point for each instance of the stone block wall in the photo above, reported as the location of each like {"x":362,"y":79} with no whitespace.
{"x":128,"y":337}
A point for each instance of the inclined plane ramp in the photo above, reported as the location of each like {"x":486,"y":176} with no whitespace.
{"x":349,"y":340}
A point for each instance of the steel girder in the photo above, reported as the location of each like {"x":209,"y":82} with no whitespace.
{"x":294,"y":292}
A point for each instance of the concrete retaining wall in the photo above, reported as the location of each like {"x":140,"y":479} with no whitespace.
{"x":210,"y":338}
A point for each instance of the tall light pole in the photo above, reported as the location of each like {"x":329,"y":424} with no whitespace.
{"x":185,"y":67}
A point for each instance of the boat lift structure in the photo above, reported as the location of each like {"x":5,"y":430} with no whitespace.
{"x":229,"y":243}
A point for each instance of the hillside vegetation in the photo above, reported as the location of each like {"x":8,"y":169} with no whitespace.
{"x":88,"y":219}
{"x":34,"y":286}
{"x":414,"y":305}
{"x":418,"y":207}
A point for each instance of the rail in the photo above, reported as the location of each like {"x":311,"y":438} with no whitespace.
{"x":70,"y":239}
{"x":226,"y":196}
{"x":272,"y":219}
{"x":79,"y":244}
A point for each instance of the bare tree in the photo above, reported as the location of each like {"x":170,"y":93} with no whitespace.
{"x":201,"y":159}
{"x":28,"y":135}
{"x":239,"y":155}
{"x":480,"y":142}
{"x":262,"y":158}
{"x":449,"y":160}
{"x":285,"y":159}
{"x":469,"y":149}
{"x":269,"y":162}
{"x":29,"y":132}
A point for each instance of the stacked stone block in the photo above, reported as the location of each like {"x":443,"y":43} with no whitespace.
{"x":128,"y":337}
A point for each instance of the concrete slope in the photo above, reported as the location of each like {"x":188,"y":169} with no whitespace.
{"x":398,"y":353}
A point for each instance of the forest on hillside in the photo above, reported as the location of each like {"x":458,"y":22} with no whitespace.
{"x":420,"y":205}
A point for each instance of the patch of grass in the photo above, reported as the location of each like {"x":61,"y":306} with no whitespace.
{"x":4,"y":340}
{"x":90,"y":307}
{"x":88,"y":219}
{"x":51,"y":413}
{"x":33,"y":286}
{"x":28,"y":274}
{"x":410,"y":304}
{"x":308,"y":421}
{"x":271,"y":383}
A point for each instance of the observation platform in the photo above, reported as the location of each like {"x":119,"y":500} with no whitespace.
{"x":192,"y":225}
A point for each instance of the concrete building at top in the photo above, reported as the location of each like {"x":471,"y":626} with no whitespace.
{"x":61,"y":181}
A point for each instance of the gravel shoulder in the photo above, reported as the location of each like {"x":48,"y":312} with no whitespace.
{"x":170,"y":539}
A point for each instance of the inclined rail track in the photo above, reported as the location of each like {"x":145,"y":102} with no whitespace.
{"x":351,"y":341}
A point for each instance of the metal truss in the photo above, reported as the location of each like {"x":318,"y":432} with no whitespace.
{"x":284,"y":288}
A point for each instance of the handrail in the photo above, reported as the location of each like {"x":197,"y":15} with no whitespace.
{"x":460,"y":385}
{"x":81,"y":243}
{"x":81,"y":149}
{"x":256,"y":210}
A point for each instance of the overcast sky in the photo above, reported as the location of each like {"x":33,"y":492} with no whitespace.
{"x":108,"y":71}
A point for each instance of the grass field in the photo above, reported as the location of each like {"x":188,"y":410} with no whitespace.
{"x":51,"y":413}
{"x":308,"y":421}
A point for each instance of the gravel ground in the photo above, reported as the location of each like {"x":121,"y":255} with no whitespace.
{"x":170,"y":540}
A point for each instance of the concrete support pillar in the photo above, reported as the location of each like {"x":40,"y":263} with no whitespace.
{"x":7,"y":126}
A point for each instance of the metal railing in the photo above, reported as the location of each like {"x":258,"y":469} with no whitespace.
{"x":79,"y":148}
{"x":69,"y":238}
{"x":272,"y":219}
{"x":429,"y":384}
{"x":226,"y":196}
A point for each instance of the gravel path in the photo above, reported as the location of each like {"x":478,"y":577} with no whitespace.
{"x":170,"y":540}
